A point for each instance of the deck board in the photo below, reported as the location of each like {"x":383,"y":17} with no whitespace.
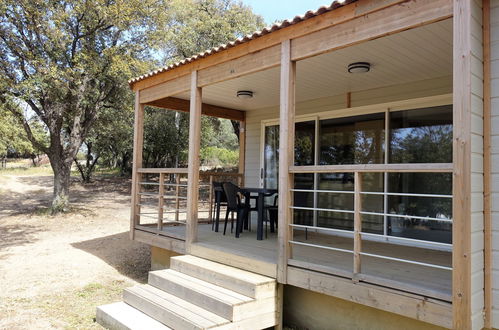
{"x":261,"y":256}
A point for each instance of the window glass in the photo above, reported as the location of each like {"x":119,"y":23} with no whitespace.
{"x":421,"y":135}
{"x":419,"y":207}
{"x":336,"y":200}
{"x":352,"y":140}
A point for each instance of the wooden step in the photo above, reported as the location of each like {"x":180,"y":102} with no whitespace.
{"x":238,"y":280}
{"x":171,"y":310}
{"x":121,"y":316}
{"x":226,"y":303}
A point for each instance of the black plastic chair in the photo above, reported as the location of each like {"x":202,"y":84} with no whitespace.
{"x":273,"y":215}
{"x":234,"y":204}
{"x":220,"y":200}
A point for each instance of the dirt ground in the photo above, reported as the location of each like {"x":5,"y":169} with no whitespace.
{"x":54,"y":271}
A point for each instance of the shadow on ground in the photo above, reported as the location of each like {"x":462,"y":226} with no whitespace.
{"x":130,"y":258}
{"x":15,"y":235}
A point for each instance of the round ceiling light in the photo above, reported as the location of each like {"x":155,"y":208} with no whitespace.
{"x":359,"y":67}
{"x":244,"y":94}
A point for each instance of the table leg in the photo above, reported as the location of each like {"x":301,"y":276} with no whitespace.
{"x":259,"y":228}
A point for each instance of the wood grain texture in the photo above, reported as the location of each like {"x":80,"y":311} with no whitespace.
{"x":391,"y":20}
{"x":487,"y":166}
{"x":286,"y":157}
{"x":174,"y":103}
{"x":337,"y":16}
{"x":138,"y":143}
{"x":193,"y":169}
{"x":461,"y":229}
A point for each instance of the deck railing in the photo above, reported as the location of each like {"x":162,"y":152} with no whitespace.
{"x":161,"y":197}
{"x":324,"y":233}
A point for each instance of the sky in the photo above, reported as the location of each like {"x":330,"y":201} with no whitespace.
{"x":273,"y":10}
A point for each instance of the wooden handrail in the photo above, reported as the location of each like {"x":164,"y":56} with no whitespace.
{"x":162,"y":170}
{"x":390,"y":168}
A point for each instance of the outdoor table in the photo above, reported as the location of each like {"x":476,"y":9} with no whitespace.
{"x":262,"y":192}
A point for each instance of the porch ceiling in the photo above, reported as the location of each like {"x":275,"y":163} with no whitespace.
{"x":417,"y":54}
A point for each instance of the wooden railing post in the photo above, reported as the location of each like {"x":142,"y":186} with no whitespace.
{"x":357,"y":225}
{"x":193,"y":169}
{"x":138,"y":142}
{"x":161,"y":200}
{"x":286,"y":157}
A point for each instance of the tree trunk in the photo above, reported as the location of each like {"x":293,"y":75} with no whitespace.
{"x":62,"y":176}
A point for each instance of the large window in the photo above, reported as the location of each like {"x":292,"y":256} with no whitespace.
{"x":399,"y":202}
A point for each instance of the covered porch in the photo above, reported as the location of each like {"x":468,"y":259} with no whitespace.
{"x":362,"y":157}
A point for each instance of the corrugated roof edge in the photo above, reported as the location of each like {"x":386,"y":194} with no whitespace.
{"x":297,"y":19}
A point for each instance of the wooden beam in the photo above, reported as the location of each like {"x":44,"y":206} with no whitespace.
{"x":165,"y":89}
{"x":261,"y":60}
{"x":398,"y":302}
{"x":174,"y":103}
{"x":138,"y":143}
{"x":286,"y":157}
{"x":394,"y":19}
{"x":487,"y":166}
{"x":461,"y":209}
{"x":334,"y":17}
{"x":193,"y":168}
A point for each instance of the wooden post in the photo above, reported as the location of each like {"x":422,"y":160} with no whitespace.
{"x":138,"y":143}
{"x":242,"y":151}
{"x":161,"y":200}
{"x":461,"y":209}
{"x":177,"y":192}
{"x":487,"y":166}
{"x":357,"y":225}
{"x":286,"y":157}
{"x":193,"y":169}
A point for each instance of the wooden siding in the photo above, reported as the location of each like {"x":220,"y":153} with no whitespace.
{"x":494,"y":48}
{"x":254,"y":118}
{"x":477,"y":237}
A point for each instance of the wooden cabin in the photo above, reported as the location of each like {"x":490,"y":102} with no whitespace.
{"x":376,"y":121}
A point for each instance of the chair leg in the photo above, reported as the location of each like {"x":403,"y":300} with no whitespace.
{"x":226,"y":220}
{"x":232,"y":223}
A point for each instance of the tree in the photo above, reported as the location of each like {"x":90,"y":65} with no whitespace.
{"x":69,"y":60}
{"x":13,"y":140}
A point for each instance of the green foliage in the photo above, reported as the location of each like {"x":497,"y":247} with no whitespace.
{"x":199,"y":25}
{"x":13,"y":139}
{"x":219,"y":157}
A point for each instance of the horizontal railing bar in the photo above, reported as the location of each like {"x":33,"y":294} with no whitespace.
{"x":406,"y":239}
{"x":324,"y":191}
{"x":175,"y":184}
{"x":148,"y":194}
{"x":146,"y":205}
{"x":322,"y":228}
{"x":319,"y":209}
{"x":321,"y":246}
{"x":175,"y":211}
{"x":405,"y":261}
{"x":149,"y":183}
{"x":405,"y":194}
{"x":163,"y":170}
{"x":146,"y":215}
{"x":406,"y":216}
{"x":394,"y":168}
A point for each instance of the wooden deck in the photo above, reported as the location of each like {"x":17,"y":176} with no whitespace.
{"x":261,"y":257}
